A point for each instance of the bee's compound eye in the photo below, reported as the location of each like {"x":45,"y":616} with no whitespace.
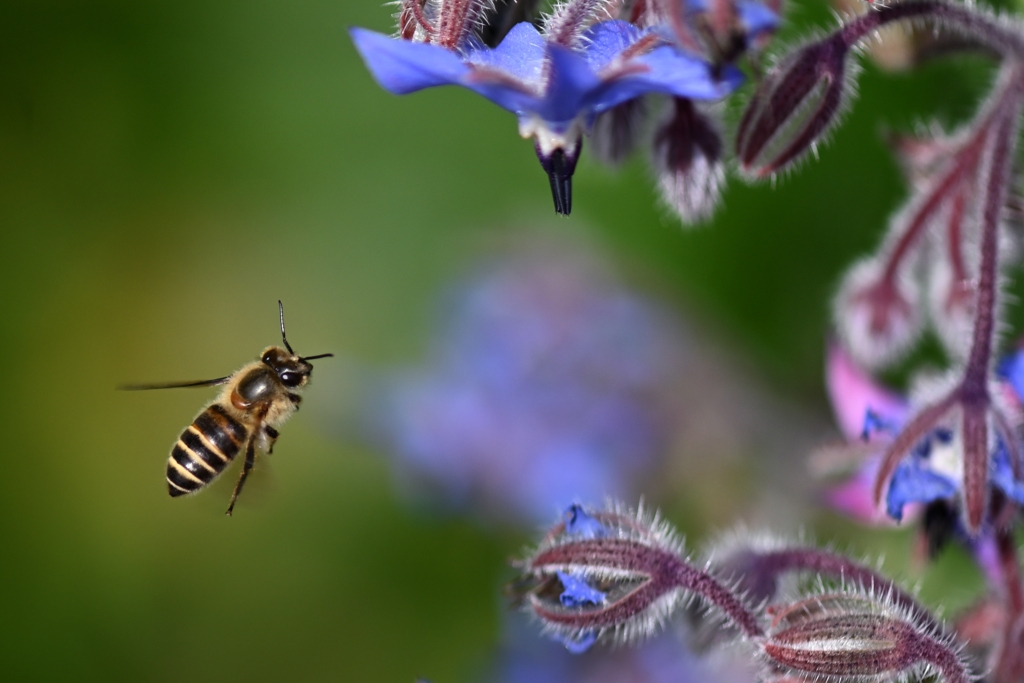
{"x":291,"y":379}
{"x":268,"y":358}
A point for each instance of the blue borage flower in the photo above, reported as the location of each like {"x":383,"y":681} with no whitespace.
{"x":932,"y":471}
{"x":557,"y":84}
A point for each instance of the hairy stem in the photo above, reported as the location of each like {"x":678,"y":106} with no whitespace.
{"x":973,"y":390}
{"x":663,"y":572}
{"x":570,"y":19}
{"x":972,"y":394}
{"x":954,"y":243}
{"x":689,"y":577}
{"x":984,"y":28}
{"x":996,"y":189}
{"x":962,"y":169}
{"x":843,"y":568}
{"x":1010,"y":664}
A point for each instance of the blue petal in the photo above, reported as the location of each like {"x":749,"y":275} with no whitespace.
{"x":912,"y":483}
{"x":401,"y":66}
{"x":579,"y":523}
{"x":1011,"y":369}
{"x":667,"y":71}
{"x":578,"y":644}
{"x":572,"y":81}
{"x":756,"y":17}
{"x":1002,"y":475}
{"x":606,"y":40}
{"x":521,"y":54}
{"x":518,"y":67}
{"x":875,"y":423}
{"x":576,"y":592}
{"x":507,"y":93}
{"x":684,"y":75}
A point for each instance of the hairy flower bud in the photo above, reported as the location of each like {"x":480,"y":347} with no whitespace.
{"x":877,"y":311}
{"x":763,"y":567}
{"x":616,"y":132}
{"x":603,"y":571}
{"x":615,"y":573}
{"x":569,"y":19}
{"x":794,"y":106}
{"x":855,"y":635}
{"x":688,"y":161}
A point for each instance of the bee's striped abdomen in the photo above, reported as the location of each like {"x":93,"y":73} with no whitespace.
{"x":203,"y":451}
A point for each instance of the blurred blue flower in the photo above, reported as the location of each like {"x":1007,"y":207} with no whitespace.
{"x":665,"y":658}
{"x":548,"y":385}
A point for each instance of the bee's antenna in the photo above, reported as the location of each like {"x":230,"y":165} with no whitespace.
{"x":280,"y":307}
{"x":322,"y":355}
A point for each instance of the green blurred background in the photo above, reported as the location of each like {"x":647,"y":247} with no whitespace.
{"x":168,"y":170}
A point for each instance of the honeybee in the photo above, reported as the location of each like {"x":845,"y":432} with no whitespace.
{"x":255,"y":401}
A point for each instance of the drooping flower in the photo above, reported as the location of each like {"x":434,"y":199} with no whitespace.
{"x":928,"y":483}
{"x":555,"y":90}
{"x":558,"y":80}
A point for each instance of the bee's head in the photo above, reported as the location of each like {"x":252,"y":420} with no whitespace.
{"x":291,"y":369}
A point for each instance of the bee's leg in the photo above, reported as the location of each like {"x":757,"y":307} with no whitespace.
{"x":250,"y":459}
{"x":272,"y":435}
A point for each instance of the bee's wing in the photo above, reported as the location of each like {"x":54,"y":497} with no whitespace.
{"x":175,"y":385}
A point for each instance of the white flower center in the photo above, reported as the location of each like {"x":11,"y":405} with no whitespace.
{"x":549,"y":140}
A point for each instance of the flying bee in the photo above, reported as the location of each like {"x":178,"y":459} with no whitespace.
{"x":255,"y":401}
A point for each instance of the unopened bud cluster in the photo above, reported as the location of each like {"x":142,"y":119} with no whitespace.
{"x":616,"y":575}
{"x":941,"y":267}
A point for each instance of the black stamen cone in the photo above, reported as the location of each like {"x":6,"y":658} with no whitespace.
{"x":561,"y":182}
{"x":560,"y":166}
